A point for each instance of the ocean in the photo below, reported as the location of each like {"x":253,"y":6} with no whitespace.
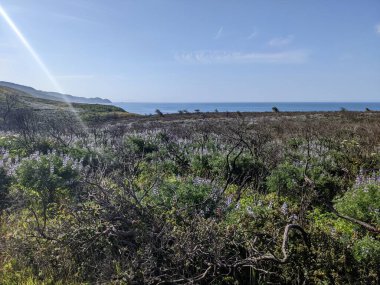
{"x":169,"y":108}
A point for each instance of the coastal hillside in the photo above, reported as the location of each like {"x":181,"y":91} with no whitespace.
{"x":53,"y":95}
{"x":14,"y":103}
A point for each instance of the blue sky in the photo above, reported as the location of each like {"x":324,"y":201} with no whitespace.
{"x":195,"y":50}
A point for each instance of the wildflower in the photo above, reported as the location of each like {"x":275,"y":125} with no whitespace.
{"x":284,"y":208}
{"x":293,"y":218}
{"x":229,"y":200}
{"x":52,"y":169}
{"x":65,"y":160}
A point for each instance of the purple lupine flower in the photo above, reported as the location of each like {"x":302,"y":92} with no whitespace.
{"x":229,"y":200}
{"x":65,"y":160}
{"x":51,"y":169}
{"x":284,"y":209}
{"x":294,"y":218}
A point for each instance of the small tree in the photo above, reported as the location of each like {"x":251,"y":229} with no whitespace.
{"x":275,"y":109}
{"x":159,"y":113}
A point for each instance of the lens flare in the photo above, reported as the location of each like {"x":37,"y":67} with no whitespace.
{"x":30,"y":49}
{"x":37,"y":58}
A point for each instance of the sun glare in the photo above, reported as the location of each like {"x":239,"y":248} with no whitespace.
{"x":36,"y":57}
{"x":30,"y":49}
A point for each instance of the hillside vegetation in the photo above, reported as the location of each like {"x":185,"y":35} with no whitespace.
{"x":55,"y":96}
{"x":203,"y":199}
{"x":14,"y":104}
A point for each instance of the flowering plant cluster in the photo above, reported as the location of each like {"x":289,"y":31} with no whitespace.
{"x":367,"y":177}
{"x":11,"y":164}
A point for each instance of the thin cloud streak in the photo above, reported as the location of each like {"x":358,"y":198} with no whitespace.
{"x":377,"y":28}
{"x":223,"y":57}
{"x":75,"y":77}
{"x":281,"y":41}
{"x":252,"y":35}
{"x":219,"y":34}
{"x":73,"y":19}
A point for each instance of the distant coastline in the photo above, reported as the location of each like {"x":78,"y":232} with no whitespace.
{"x":170,"y":108}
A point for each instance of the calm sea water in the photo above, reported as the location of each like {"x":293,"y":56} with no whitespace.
{"x":149,"y":108}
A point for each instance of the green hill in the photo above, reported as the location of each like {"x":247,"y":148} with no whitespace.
{"x":12,"y":100}
{"x":53,"y":95}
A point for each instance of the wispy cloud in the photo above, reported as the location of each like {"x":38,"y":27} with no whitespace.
{"x":281,"y":41}
{"x":219,"y":34}
{"x":377,"y":29}
{"x":57,"y":16}
{"x":72,"y":19}
{"x":75,"y":76}
{"x":253,"y":35}
{"x":224,"y":57}
{"x":98,"y":76}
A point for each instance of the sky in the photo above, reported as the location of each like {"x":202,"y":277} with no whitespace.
{"x":194,"y":50}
